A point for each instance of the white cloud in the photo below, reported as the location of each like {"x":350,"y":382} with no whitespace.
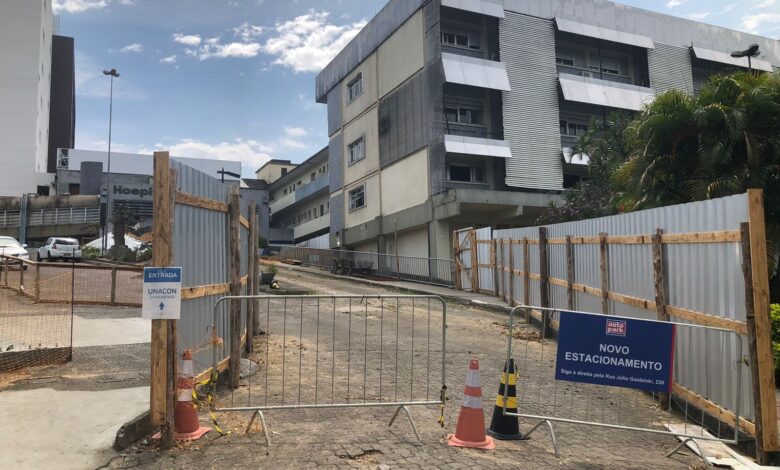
{"x":247,"y":31}
{"x":134,"y":47}
{"x":764,"y":4}
{"x":251,"y":153}
{"x":295,"y":131}
{"x":213,"y":48}
{"x":127,"y":2}
{"x":293,"y":144}
{"x":308,"y":42}
{"x":77,"y":6}
{"x":728,"y":8}
{"x":756,"y":23}
{"x":187,"y":40}
{"x":171,"y":59}
{"x":675,"y":3}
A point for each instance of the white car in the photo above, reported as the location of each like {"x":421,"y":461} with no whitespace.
{"x":11,"y":247}
{"x":60,"y":248}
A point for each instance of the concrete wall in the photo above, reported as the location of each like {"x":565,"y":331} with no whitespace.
{"x":25,"y":81}
{"x":271,"y":172}
{"x":365,"y":127}
{"x":401,"y":56}
{"x":352,"y":109}
{"x":410,"y":243}
{"x":367,"y":247}
{"x":405,"y":183}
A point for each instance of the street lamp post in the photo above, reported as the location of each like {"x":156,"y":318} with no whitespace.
{"x":113,"y":74}
{"x":750,"y":52}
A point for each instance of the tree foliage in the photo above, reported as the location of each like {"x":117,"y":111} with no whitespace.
{"x":682,"y":148}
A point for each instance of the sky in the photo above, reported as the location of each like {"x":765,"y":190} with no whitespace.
{"x":234,"y":79}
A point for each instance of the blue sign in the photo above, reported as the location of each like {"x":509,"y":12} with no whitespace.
{"x":162,"y":274}
{"x":614,"y":351}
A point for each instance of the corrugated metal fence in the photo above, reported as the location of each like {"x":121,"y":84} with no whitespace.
{"x":608,"y":265}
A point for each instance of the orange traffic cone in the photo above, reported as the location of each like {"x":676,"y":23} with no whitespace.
{"x":185,"y":414}
{"x":470,"y":431}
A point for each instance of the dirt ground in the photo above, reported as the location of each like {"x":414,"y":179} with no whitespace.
{"x":381,"y":351}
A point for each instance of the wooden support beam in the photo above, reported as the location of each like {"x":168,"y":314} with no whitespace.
{"x":252,"y":246}
{"x":163,"y":343}
{"x":712,"y":409}
{"x":234,"y":257}
{"x":569,"y":274}
{"x":37,"y":282}
{"x":759,"y":331}
{"x":659,"y":280}
{"x":113,"y":285}
{"x":474,"y":261}
{"x":511,"y":274}
{"x":494,"y":263}
{"x":526,"y":273}
{"x":255,"y":273}
{"x":604,"y":270}
{"x":456,"y":257}
{"x":200,"y":202}
{"x":544,"y":281}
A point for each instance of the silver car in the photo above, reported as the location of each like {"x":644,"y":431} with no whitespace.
{"x":11,"y":247}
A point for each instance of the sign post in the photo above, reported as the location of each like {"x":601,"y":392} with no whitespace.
{"x":161,"y":294}
{"x":614,"y":351}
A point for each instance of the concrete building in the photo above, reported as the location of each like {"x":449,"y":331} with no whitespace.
{"x":274,"y":169}
{"x":300,"y":201}
{"x":451,"y":113}
{"x":82,"y":172}
{"x":27,"y":50}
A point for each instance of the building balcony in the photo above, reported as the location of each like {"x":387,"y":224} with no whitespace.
{"x":319,"y":185}
{"x":312,"y":227}
{"x":604,"y":93}
{"x":477,"y":146}
{"x":472,"y":71}
{"x":580,"y":72}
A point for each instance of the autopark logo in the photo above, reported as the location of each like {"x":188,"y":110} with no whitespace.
{"x":617,"y":327}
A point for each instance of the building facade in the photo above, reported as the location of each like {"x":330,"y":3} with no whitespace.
{"x":299,"y":201}
{"x":444,"y":114}
{"x":274,"y":169}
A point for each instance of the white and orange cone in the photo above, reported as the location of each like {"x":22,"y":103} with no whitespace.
{"x":185,"y":414}
{"x":470,"y":431}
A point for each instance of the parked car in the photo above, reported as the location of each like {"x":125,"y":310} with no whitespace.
{"x":60,"y":248}
{"x":11,"y":247}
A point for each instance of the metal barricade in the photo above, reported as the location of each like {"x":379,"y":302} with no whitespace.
{"x":697,"y":350}
{"x":348,"y":351}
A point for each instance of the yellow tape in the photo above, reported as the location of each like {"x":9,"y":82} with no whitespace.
{"x":511,"y":402}
{"x":512,"y":379}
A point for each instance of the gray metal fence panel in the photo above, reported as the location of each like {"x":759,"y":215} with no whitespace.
{"x":200,"y":247}
{"x":700,"y":277}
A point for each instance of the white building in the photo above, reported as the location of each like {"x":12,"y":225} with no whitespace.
{"x":26,"y":28}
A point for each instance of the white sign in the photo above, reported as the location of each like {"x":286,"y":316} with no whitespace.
{"x":162,"y":294}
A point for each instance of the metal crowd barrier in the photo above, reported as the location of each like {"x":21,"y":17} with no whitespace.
{"x":325,"y":352}
{"x":697,"y":357}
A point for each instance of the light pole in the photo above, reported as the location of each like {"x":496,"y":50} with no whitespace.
{"x":750,"y":52}
{"x":113,"y":74}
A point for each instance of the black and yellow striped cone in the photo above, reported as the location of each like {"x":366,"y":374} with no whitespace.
{"x":502,"y":427}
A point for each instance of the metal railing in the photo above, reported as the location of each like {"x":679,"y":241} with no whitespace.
{"x":10,"y":218}
{"x":435,"y":271}
{"x":64,"y":216}
{"x":340,"y":352}
{"x":545,"y":399}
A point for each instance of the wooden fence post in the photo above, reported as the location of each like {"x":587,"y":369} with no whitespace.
{"x":456,"y":258}
{"x":21,"y":277}
{"x":544,"y":281}
{"x":113,"y":285}
{"x":765,"y":377}
{"x":234,"y":257}
{"x":500,"y":287}
{"x":511,"y":274}
{"x":659,"y":279}
{"x":256,"y":269}
{"x":604,"y":268}
{"x":474,"y":262}
{"x":494,"y":264}
{"x":37,"y":282}
{"x":526,"y":273}
{"x":163,"y":347}
{"x":252,"y":247}
{"x":5,"y":262}
{"x":569,"y":273}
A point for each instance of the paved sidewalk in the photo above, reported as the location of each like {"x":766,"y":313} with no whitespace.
{"x":67,"y":416}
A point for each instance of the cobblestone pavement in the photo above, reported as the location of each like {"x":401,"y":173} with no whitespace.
{"x":361,"y":438}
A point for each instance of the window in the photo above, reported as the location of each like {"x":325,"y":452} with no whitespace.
{"x":312,"y":176}
{"x":463,"y":114}
{"x":462,"y":39}
{"x":565,"y":56}
{"x":284,"y":171}
{"x":466,"y":173}
{"x":355,"y":88}
{"x":357,"y":150}
{"x":322,"y":210}
{"x":571,"y":128}
{"x":357,"y":198}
